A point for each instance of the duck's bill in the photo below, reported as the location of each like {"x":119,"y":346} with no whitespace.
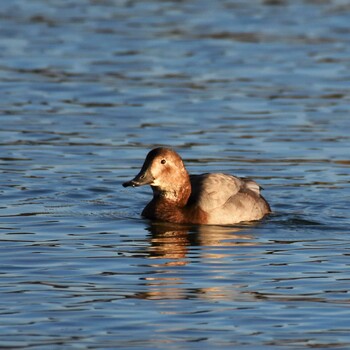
{"x":143,"y":178}
{"x":130,"y":184}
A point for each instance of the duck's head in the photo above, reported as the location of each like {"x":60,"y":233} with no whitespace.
{"x":163,"y":168}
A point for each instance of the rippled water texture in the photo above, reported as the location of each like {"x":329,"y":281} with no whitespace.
{"x":253,"y":88}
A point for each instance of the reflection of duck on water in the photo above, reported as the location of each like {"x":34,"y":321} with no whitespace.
{"x":215,"y":199}
{"x":171,"y":241}
{"x":172,"y":245}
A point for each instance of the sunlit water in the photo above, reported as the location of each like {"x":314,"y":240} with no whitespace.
{"x":253,"y":88}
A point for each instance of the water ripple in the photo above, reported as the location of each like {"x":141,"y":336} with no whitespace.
{"x":257,"y":89}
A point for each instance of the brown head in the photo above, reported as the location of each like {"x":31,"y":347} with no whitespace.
{"x":165,"y":172}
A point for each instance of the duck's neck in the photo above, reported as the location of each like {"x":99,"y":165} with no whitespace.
{"x":172,"y":206}
{"x":177,"y":193}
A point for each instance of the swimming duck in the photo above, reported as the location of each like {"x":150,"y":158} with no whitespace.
{"x":215,"y":199}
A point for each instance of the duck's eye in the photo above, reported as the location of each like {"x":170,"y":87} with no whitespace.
{"x":163,"y":161}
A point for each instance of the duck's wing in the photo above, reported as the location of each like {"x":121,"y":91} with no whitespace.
{"x":228,"y":199}
{"x":212,"y":191}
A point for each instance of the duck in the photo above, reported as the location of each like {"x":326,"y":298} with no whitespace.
{"x":205,"y":199}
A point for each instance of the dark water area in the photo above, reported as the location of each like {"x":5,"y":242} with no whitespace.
{"x":253,"y":88}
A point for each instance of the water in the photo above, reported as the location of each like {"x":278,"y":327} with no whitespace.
{"x":258,"y":89}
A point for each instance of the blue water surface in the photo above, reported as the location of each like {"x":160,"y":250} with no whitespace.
{"x":256,"y":88}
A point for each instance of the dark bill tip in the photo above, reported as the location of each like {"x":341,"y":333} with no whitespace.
{"x":129,"y":184}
